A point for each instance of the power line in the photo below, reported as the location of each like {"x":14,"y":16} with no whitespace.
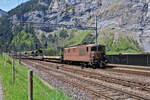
{"x":43,"y":24}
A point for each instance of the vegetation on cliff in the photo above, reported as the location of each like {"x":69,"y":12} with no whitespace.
{"x":115,"y":40}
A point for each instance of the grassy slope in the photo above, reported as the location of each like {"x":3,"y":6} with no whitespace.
{"x":77,"y":37}
{"x":122,"y":42}
{"x":19,"y":90}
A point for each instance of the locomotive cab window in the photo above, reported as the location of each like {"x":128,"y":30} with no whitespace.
{"x":102,"y":49}
{"x":93,"y":49}
{"x":99,"y":48}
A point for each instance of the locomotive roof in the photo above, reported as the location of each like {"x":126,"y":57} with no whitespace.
{"x":90,"y":45}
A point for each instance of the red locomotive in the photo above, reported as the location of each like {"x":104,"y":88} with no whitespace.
{"x":88,"y":55}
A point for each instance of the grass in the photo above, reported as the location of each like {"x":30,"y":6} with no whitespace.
{"x":124,"y":42}
{"x":77,"y":37}
{"x":18,"y":91}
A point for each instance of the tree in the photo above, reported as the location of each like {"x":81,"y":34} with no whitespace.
{"x":43,"y":39}
{"x":63,"y":34}
{"x":51,"y":38}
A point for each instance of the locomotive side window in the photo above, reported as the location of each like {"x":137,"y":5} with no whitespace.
{"x":82,"y":51}
{"x":87,"y":49}
{"x":68,"y":50}
{"x":74,"y":50}
{"x":100,"y":48}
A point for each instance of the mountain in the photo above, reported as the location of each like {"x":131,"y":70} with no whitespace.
{"x":123,"y":25}
{"x":2,"y":13}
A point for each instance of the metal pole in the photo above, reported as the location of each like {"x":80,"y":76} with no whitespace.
{"x":96,"y":28}
{"x":56,"y":44}
{"x":56,"y":37}
{"x":3,"y":56}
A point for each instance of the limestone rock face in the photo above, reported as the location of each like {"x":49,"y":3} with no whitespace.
{"x":2,"y":13}
{"x":129,"y":15}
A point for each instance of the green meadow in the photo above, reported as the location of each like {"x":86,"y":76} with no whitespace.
{"x":19,"y":90}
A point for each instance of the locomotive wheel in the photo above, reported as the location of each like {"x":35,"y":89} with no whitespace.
{"x":87,"y":65}
{"x":68,"y":63}
{"x":82,"y":65}
{"x":94,"y":66}
{"x":101,"y":65}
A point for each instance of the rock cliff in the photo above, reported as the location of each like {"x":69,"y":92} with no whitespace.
{"x":2,"y":13}
{"x":125,"y":16}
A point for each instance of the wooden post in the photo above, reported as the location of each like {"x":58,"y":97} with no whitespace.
{"x":5,"y":65}
{"x":19,"y":57}
{"x":3,"y":56}
{"x":13,"y":72}
{"x":30,"y":85}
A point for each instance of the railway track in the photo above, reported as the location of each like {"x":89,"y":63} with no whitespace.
{"x":124,"y":69}
{"x":143,"y":68}
{"x":132,"y":72}
{"x":143,"y":71}
{"x":140,"y":86}
{"x":94,"y":88}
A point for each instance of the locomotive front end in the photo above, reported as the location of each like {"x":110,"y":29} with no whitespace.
{"x":98,"y":58}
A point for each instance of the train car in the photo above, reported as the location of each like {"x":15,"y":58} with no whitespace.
{"x":56,"y":59}
{"x":88,"y":55}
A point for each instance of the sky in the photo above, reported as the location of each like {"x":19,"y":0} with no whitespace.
{"x":7,"y":5}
